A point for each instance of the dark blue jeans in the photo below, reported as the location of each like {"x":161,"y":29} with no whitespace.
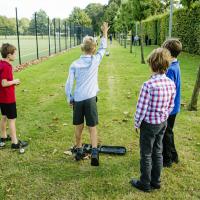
{"x":151,"y":162}
{"x":169,"y":149}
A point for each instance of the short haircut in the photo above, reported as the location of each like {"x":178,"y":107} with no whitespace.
{"x":174,"y":46}
{"x":89,"y":44}
{"x":159,"y":60}
{"x":6,"y":49}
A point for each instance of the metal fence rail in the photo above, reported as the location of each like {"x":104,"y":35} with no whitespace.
{"x":40,"y":41}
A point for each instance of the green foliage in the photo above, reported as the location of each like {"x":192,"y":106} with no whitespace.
{"x":186,"y":27}
{"x":110,"y":14}
{"x":7,"y":26}
{"x":80,"y":17}
{"x":24,"y":25}
{"x":95,"y":12}
{"x":188,"y":3}
{"x":42,"y":23}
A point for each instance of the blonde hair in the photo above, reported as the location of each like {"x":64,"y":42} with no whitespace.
{"x":89,"y":45}
{"x":159,"y":60}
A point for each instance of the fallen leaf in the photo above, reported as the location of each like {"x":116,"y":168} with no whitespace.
{"x":68,"y":153}
{"x":54,"y":151}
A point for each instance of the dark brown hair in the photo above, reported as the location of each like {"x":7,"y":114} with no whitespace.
{"x":6,"y":49}
{"x":174,"y":46}
{"x":159,"y":60}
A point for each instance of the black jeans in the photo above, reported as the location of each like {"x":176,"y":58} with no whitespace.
{"x":151,"y":162}
{"x":169,"y":150}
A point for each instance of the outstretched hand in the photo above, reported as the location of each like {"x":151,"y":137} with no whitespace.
{"x":105,"y":28}
{"x":137,"y":130}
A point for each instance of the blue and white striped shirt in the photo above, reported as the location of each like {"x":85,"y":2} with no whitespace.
{"x":85,"y":72}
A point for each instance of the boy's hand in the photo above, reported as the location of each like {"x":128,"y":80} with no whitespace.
{"x":71,"y":104}
{"x":16,"y":82}
{"x":137,"y":130}
{"x":105,"y":28}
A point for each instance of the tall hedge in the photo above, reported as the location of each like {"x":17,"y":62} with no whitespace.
{"x":186,"y":27}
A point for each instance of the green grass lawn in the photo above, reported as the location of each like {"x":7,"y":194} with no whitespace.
{"x":45,"y":119}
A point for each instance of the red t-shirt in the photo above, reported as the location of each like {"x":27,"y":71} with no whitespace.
{"x":7,"y":94}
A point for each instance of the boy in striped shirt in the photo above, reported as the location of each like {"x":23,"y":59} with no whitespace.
{"x":84,"y":72}
{"x":156,"y":101}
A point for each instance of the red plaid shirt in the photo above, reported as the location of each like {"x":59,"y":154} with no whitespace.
{"x":156,"y":100}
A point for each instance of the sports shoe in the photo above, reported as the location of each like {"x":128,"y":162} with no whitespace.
{"x":155,"y":186}
{"x":5,"y":139}
{"x":95,"y":157}
{"x":19,"y":144}
{"x":137,"y":184}
{"x":79,"y":154}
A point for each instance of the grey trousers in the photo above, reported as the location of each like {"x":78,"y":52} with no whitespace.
{"x":151,"y":147}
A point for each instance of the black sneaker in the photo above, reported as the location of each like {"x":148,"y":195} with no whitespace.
{"x":19,"y":145}
{"x":95,"y":157}
{"x":155,"y":186}
{"x":79,"y":154}
{"x":175,"y":159}
{"x":5,"y":139}
{"x":167,"y":164}
{"x":137,"y":184}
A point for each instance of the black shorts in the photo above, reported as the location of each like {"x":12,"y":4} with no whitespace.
{"x":85,"y":109}
{"x":9,"y":110}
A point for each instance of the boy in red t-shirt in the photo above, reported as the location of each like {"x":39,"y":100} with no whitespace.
{"x":7,"y":97}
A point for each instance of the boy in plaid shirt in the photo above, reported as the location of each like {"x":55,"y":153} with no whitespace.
{"x":155,"y":103}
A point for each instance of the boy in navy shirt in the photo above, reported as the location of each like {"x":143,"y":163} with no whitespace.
{"x":169,"y":151}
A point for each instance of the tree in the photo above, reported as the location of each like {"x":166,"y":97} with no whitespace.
{"x":118,"y":2}
{"x":24,"y":25}
{"x":188,"y":3}
{"x":42,"y":23}
{"x":110,"y":13}
{"x":141,"y":12}
{"x":95,"y":11}
{"x":80,"y":17}
{"x":193,"y":103}
{"x":7,"y":26}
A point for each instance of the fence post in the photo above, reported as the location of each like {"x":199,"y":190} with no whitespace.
{"x":59,"y":36}
{"x":70,"y":27}
{"x":77,"y":27}
{"x":74,"y":35}
{"x":54,"y":22}
{"x":36,"y":35}
{"x":17,"y":24}
{"x":49,"y":35}
{"x":65,"y":35}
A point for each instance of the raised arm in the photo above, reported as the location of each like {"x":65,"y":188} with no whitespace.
{"x":103,"y":44}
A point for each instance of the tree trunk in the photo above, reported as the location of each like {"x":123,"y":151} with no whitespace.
{"x":141,"y":43}
{"x":193,"y":103}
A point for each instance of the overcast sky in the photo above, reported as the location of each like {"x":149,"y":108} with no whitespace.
{"x":53,"y":8}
